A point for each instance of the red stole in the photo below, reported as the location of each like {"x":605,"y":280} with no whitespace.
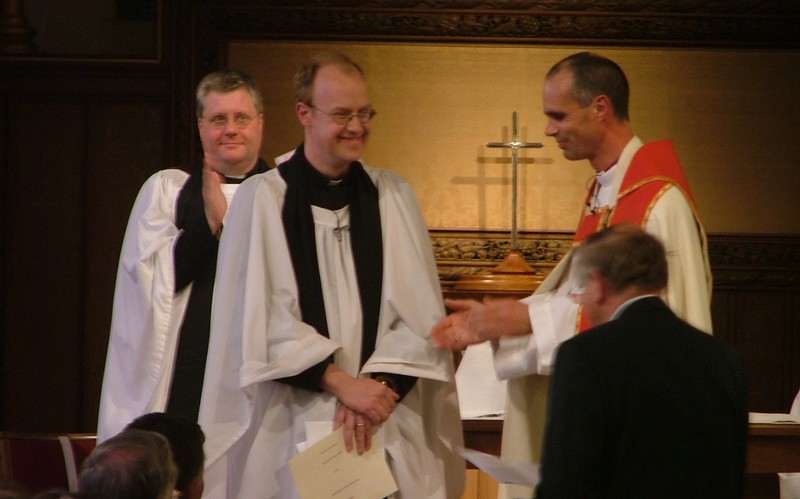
{"x":653,"y":170}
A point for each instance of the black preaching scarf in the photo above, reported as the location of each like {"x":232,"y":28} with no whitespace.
{"x":195,"y":257}
{"x":306,"y":186}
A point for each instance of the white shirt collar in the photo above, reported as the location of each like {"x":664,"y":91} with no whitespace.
{"x":627,"y":304}
{"x":611,"y":180}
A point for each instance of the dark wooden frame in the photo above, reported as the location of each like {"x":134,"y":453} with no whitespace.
{"x":156,"y":59}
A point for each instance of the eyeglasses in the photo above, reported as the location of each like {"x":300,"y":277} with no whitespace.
{"x":240,"y":120}
{"x":343,"y":117}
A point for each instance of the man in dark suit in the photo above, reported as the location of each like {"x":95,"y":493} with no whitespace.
{"x":643,"y":405}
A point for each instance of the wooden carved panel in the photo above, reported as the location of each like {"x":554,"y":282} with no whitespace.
{"x":738,"y":261}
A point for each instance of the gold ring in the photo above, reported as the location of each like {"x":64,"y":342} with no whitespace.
{"x":360,"y":425}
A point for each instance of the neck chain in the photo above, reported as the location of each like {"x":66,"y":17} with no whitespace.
{"x":594,"y":200}
{"x":339,"y":228}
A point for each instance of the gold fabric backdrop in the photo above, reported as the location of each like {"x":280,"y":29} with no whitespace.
{"x":734,"y":116}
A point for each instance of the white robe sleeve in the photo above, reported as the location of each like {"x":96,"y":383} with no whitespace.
{"x":411,"y":297}
{"x":427,"y":423}
{"x":553,"y":314}
{"x":146,"y":312}
{"x":688,"y":291}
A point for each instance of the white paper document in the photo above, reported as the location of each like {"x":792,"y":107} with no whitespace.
{"x":326,"y":469}
{"x":774,"y":418}
{"x":480,"y":393}
{"x":503,"y":471}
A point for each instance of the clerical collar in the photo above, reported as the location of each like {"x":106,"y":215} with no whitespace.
{"x":234,"y":179}
{"x":331,"y":194}
{"x":601,"y":194}
{"x":259,"y":167}
{"x":605,"y":177}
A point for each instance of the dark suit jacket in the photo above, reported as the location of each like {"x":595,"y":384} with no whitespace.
{"x":645,"y":406}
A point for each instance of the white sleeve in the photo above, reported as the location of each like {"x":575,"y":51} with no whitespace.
{"x":688,"y":291}
{"x":553,"y":317}
{"x":146,"y":311}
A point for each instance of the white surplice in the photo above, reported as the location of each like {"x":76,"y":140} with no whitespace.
{"x":253,"y":422}
{"x":147,"y":312}
{"x":527,"y":361}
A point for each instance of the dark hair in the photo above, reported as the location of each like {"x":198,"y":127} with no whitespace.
{"x":134,"y":464}
{"x":304,"y":78}
{"x":226,"y":81}
{"x":625,"y":256}
{"x":595,"y":75}
{"x":185,"y":438}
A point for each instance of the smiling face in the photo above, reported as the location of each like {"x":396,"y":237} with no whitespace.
{"x":575,"y":128}
{"x":230,"y":148}
{"x":331,"y":147}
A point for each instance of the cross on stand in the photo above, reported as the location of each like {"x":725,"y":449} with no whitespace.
{"x":515,"y":145}
{"x":513,"y":273}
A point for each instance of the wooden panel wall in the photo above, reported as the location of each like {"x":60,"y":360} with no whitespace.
{"x":75,"y":155}
{"x":43,"y":286}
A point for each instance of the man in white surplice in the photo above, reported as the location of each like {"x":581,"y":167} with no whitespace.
{"x":165,"y":278}
{"x":325,"y":296}
{"x":585,"y":100}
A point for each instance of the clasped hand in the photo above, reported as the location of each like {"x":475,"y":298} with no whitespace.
{"x":364,"y":405}
{"x":474,"y":322}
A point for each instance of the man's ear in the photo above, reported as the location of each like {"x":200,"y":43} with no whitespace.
{"x":303,"y":113}
{"x":596,"y":287}
{"x":601,"y":105}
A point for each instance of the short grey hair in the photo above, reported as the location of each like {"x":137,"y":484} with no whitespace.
{"x":226,"y":81}
{"x":625,"y":255}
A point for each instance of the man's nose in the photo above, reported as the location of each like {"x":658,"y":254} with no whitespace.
{"x":355,"y":125}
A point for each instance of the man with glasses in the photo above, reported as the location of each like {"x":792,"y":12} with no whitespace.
{"x":330,"y":292}
{"x":162,"y":302}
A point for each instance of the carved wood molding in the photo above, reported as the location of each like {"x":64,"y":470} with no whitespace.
{"x":755,"y":262}
{"x":738,"y":262}
{"x":460,"y":253}
{"x":682,"y":23}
